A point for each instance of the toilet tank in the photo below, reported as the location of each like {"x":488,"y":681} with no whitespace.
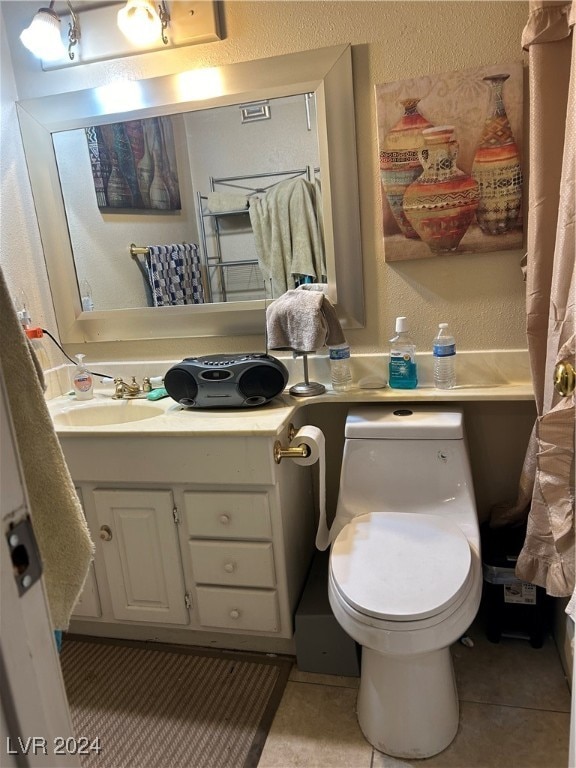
{"x":405,"y":423}
{"x":405,"y":459}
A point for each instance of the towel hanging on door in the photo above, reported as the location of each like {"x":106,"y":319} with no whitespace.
{"x":174,"y":274}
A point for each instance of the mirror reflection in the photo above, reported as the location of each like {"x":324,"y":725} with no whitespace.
{"x":86,"y":240}
{"x":209,"y":206}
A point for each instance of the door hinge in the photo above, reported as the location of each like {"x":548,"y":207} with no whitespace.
{"x":187,"y":600}
{"x":175,"y":515}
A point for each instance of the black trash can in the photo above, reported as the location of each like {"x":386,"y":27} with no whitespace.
{"x":512,"y":608}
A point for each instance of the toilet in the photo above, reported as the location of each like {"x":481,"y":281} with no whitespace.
{"x":405,"y":575}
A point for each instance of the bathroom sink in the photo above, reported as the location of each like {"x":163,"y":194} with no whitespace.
{"x":106,"y":413}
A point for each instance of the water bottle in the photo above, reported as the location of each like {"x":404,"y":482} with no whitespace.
{"x":444,"y":352}
{"x":402,"y":372}
{"x":340,"y":370}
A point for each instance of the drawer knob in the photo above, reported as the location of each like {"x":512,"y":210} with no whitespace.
{"x":225,"y":519}
{"x":230,"y":567}
{"x":234,"y":613}
{"x":106,"y":533}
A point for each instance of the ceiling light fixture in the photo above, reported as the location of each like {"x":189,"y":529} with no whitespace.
{"x":43,"y":38}
{"x":141,"y":23}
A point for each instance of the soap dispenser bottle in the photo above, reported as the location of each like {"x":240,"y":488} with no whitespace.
{"x":82,"y":382}
{"x":402,"y":367}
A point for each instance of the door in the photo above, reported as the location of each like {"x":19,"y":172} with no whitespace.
{"x":141,"y":553}
{"x":35,"y":724}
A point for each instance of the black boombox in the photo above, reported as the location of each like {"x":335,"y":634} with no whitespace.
{"x":226,"y":381}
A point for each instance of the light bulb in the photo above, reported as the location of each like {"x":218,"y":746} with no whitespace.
{"x":139,"y":22}
{"x":42,"y":37}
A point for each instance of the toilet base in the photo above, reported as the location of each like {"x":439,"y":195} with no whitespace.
{"x":408,"y":705}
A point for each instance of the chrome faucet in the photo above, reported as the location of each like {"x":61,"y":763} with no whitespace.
{"x":131,"y":390}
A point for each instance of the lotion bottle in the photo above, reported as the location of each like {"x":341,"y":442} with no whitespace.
{"x":82,"y":382}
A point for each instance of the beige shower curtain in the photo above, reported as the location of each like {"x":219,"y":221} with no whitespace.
{"x":547,"y":483}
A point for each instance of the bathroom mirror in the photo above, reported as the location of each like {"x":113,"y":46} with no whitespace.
{"x":320,"y":82}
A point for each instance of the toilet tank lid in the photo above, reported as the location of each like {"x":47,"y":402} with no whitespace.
{"x":405,"y":422}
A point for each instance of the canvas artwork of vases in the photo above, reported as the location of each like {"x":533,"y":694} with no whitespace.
{"x":133,"y":165}
{"x":450,"y":165}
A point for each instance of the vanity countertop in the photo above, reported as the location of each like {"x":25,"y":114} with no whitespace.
{"x":171,"y":419}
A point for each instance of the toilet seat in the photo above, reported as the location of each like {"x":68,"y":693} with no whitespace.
{"x":401,"y":567}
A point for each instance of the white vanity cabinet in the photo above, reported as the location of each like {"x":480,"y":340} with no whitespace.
{"x":199,"y":539}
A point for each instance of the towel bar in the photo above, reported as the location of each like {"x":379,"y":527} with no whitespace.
{"x":138,"y":250}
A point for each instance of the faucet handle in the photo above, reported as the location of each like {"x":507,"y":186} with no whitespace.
{"x":146,"y":384}
{"x":118,"y":388}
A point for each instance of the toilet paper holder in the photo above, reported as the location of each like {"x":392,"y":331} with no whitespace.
{"x":292,"y":452}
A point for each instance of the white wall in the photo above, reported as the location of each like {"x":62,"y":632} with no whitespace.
{"x":21,"y":257}
{"x":481,"y":296}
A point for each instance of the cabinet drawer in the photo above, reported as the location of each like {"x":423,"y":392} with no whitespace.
{"x":239,"y":564}
{"x":240,"y":609}
{"x":230,"y":515}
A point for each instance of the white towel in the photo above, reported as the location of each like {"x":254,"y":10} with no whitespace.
{"x":224,"y":202}
{"x":61,"y":532}
{"x":303,"y":321}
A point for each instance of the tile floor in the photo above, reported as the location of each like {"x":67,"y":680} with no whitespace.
{"x":514,"y":713}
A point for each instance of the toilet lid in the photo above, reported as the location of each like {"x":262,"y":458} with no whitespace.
{"x":400,"y":566}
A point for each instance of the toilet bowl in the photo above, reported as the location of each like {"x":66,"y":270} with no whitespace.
{"x":405,"y":573}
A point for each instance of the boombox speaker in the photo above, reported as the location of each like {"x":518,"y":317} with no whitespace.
{"x":226,"y":381}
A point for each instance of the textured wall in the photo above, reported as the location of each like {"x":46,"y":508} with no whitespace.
{"x":481,"y":296}
{"x":21,"y":256}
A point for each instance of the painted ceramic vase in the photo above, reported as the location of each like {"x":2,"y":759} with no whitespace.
{"x":496,"y":167}
{"x":399,"y":161}
{"x":126,"y":165}
{"x":169,"y":176}
{"x":441,"y":203}
{"x":159,"y":195}
{"x":118,"y":190}
{"x":145,"y":171}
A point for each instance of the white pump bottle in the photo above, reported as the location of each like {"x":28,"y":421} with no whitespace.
{"x":82,"y":381}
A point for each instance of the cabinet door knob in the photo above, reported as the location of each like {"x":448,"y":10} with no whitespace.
{"x":225,"y":519}
{"x":234,"y":614}
{"x":230,"y":567}
{"x":105,"y":533}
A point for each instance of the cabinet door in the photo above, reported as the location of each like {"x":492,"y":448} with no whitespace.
{"x":89,"y":602}
{"x":139,"y":543}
